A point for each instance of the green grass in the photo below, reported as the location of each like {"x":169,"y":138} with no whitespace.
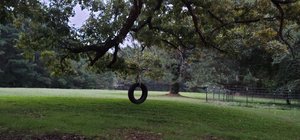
{"x":107,"y":114}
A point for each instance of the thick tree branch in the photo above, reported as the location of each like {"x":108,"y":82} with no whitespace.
{"x":187,"y":3}
{"x":160,"y":29}
{"x":87,"y":48}
{"x":215,"y":17}
{"x":169,"y":43}
{"x":148,"y":22}
{"x":98,"y":56}
{"x":142,"y":24}
{"x":245,"y":21}
{"x":283,"y":1}
{"x":102,"y":48}
{"x":195,"y":21}
{"x":281,"y":23}
{"x":170,"y":32}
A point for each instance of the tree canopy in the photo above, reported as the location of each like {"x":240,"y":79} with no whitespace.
{"x":233,"y":29}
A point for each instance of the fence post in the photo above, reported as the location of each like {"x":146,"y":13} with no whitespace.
{"x":219,"y":94}
{"x":274,"y":96}
{"x":287,"y":97}
{"x":252,"y":93}
{"x":213,"y":93}
{"x":246,"y":96}
{"x":206,"y":95}
{"x":231,"y":96}
{"x":224,"y":95}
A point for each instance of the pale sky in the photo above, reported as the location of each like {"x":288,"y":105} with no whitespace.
{"x":80,"y":17}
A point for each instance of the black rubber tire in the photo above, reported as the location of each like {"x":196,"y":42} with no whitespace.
{"x":143,"y":96}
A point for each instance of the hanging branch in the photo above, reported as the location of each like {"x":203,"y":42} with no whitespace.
{"x":115,"y":56}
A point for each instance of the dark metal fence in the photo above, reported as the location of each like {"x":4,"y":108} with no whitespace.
{"x":250,"y":95}
{"x":150,"y":86}
{"x":233,"y":93}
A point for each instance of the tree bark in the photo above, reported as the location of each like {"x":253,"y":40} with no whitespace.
{"x":175,"y":83}
{"x":174,"y":88}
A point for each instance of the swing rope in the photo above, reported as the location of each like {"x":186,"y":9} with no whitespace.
{"x":138,"y":83}
{"x":139,"y":76}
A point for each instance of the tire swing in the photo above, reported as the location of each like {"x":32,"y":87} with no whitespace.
{"x":143,"y":96}
{"x":139,"y":84}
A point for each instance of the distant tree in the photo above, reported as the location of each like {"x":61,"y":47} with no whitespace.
{"x":141,"y":64}
{"x":15,"y":70}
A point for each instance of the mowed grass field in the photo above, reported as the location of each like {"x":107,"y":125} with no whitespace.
{"x":28,"y":113}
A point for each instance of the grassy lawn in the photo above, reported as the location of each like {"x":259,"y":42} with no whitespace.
{"x":108,"y":114}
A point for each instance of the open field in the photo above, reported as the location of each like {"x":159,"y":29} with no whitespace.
{"x":108,"y":114}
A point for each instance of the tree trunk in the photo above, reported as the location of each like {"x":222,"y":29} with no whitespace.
{"x":288,"y":102}
{"x":177,"y":71}
{"x":174,"y":88}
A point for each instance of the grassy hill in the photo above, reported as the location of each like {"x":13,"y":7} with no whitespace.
{"x":108,"y":114}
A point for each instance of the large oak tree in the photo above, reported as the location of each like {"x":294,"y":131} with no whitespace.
{"x":227,"y":26}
